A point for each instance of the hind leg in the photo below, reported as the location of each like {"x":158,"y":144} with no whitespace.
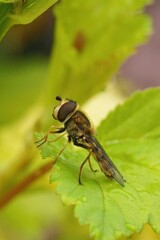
{"x":82,"y":165}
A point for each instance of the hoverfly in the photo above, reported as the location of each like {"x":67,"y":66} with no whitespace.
{"x":80,"y":132}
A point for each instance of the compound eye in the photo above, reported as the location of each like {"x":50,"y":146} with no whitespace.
{"x":66,"y":109}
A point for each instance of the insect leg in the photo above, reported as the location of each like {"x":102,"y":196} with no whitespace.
{"x":45,"y":138}
{"x":89,"y":161}
{"x":61,"y":151}
{"x":80,"y":171}
{"x":83,"y":144}
{"x":54,"y":140}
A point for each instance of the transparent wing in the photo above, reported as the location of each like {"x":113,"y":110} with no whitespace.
{"x":104,"y":161}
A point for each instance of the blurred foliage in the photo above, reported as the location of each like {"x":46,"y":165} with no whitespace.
{"x":91,"y":40}
{"x":25,"y":219}
{"x":17,"y":87}
{"x":90,"y":48}
{"x":20,"y":12}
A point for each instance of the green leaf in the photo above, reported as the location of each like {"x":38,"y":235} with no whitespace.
{"x":92,"y":39}
{"x":131,"y":136}
{"x":20,"y":12}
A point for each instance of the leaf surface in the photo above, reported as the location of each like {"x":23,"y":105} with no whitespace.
{"x":131,"y":136}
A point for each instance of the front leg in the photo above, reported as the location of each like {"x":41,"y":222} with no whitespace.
{"x":45,"y":138}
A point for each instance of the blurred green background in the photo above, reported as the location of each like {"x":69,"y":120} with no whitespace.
{"x":30,"y":59}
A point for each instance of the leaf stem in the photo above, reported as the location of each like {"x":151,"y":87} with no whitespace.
{"x":21,"y":186}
